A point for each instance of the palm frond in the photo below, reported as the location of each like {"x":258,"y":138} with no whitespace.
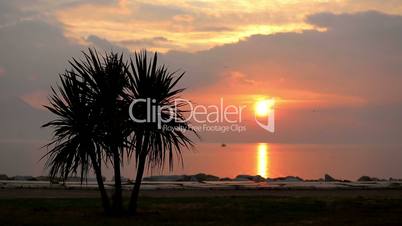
{"x":148,"y":80}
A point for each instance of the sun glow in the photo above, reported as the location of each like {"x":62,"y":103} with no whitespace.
{"x":262,"y":160}
{"x":264,"y":107}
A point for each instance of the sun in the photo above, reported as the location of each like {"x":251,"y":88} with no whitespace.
{"x":264,"y":107}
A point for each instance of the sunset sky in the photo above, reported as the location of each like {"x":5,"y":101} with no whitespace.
{"x":333,"y":67}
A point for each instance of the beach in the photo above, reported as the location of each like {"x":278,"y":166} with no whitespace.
{"x":34,"y":193}
{"x":211,"y":206}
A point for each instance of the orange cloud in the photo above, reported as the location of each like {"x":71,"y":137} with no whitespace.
{"x":199,"y":25}
{"x":36,"y":99}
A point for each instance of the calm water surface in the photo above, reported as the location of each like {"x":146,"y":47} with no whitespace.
{"x":268,"y":160}
{"x":306,"y":161}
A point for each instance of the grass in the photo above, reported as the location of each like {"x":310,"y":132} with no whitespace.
{"x":208,"y":211}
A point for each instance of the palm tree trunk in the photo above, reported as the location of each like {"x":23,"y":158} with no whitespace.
{"x":118,"y":199}
{"x":132,"y":208}
{"x":101,"y":185}
{"x":143,"y":146}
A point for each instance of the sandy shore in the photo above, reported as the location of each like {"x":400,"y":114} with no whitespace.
{"x":43,"y":189}
{"x":218,"y":185}
{"x":91,"y":193}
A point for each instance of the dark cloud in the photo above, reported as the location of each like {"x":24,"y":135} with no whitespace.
{"x":10,"y":13}
{"x":366,"y":21}
{"x":154,"y":42}
{"x":71,"y":3}
{"x":136,"y":44}
{"x":106,"y":45}
{"x":32,"y":53}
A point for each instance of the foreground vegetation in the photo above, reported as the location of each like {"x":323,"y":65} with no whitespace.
{"x":210,"y":211}
{"x":100,"y":116}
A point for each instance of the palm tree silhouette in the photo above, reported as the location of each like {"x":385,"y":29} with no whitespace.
{"x":153,"y":144}
{"x":106,"y":79}
{"x":75,"y":142}
{"x":93,"y":124}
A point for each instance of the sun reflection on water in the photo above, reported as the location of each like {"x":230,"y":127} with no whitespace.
{"x":262,"y":160}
